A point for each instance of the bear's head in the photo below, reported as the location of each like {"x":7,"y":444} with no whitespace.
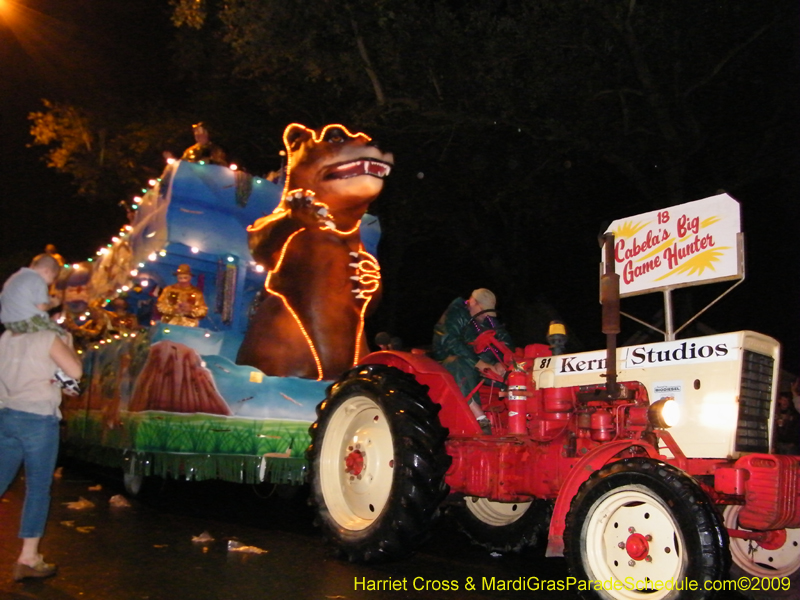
{"x":344,"y":170}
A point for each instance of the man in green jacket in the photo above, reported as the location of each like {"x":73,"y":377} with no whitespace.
{"x":452,"y":345}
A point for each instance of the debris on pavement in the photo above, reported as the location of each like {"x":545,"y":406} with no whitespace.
{"x":234,"y":546}
{"x":85,"y":529}
{"x":119,"y":501}
{"x":202,"y":538}
{"x":68,"y":523}
{"x":81,"y":504}
{"x":95,"y":488}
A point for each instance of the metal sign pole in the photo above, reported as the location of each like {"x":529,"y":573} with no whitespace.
{"x":669,"y":328}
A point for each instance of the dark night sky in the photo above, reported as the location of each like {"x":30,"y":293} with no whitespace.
{"x":77,"y":49}
{"x":67,"y":50}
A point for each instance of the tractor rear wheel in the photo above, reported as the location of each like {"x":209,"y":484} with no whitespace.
{"x":377,"y":464}
{"x":774,"y":562}
{"x":648,"y":528}
{"x":503,"y":526}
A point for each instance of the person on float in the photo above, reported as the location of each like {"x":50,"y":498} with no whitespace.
{"x":181,"y":303}
{"x":53,"y":251}
{"x":204,"y":149}
{"x":453,"y":335}
{"x":120,"y":320}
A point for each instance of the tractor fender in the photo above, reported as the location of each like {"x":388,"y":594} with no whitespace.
{"x":442,"y":389}
{"x":581,"y":471}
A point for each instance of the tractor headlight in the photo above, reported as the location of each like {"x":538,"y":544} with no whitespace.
{"x":664,"y":413}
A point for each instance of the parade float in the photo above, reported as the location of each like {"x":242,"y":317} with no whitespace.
{"x":163,"y":398}
{"x":649,"y":467}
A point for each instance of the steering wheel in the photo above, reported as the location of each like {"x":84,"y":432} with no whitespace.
{"x":485,"y":340}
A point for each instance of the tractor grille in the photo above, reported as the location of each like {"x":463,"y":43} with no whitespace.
{"x":752,"y":430}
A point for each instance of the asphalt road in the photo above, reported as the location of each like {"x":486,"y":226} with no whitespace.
{"x":145,"y":551}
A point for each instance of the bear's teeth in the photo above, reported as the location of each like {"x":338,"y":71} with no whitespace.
{"x":379,"y":169}
{"x":361,"y":167}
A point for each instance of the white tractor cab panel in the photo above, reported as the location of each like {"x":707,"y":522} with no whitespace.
{"x":725,"y":386}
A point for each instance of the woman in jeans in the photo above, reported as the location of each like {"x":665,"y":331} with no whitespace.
{"x":29,"y":416}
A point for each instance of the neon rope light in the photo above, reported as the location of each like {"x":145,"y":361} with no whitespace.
{"x":316,"y":138}
{"x":307,"y":337}
{"x":368,"y":278}
{"x":368,"y":273}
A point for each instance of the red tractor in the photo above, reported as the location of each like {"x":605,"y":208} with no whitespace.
{"x":646,"y":467}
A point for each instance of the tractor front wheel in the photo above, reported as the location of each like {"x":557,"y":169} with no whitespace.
{"x":649,"y":530}
{"x":377,"y":464}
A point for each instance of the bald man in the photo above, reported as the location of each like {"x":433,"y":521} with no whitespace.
{"x":26,"y":299}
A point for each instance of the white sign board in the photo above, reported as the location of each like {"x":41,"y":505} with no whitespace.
{"x":689,"y":244}
{"x":712,"y":348}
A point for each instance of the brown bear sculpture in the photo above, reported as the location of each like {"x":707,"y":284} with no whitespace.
{"x":320,"y":282}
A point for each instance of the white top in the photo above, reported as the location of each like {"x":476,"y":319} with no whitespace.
{"x":27,"y":373}
{"x":22,"y":293}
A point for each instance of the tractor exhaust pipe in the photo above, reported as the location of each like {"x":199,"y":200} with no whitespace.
{"x":609,"y":298}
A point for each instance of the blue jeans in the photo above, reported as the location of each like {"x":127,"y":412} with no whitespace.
{"x":32,"y":439}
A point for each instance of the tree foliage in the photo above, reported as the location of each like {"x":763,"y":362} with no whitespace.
{"x":66,"y":130}
{"x":518,"y":125}
{"x":654,"y":91}
{"x":518,"y":122}
{"x":108,"y":154}
{"x":649,"y":89}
